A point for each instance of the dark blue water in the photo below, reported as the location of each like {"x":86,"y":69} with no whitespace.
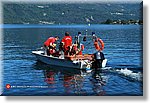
{"x":123,"y":49}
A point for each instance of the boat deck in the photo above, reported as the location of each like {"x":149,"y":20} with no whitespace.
{"x":80,"y":57}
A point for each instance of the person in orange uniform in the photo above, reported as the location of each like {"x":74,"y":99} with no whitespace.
{"x":67,"y":43}
{"x":49,"y":44}
{"x":99,"y":56}
{"x":98,"y":59}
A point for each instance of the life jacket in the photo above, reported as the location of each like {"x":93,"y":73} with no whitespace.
{"x":75,"y":47}
{"x":97,"y":46}
{"x":52,"y":51}
{"x":82,"y":47}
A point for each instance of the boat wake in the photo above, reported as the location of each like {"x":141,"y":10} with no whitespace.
{"x":126,"y":73}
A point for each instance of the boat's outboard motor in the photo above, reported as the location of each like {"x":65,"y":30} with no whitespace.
{"x":98,"y":59}
{"x":97,"y":64}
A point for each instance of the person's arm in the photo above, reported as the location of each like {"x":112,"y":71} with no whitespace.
{"x":63,"y":40}
{"x":71,"y":39}
{"x":51,"y":44}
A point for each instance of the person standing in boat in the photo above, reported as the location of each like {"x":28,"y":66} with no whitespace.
{"x":67,"y":43}
{"x":50,"y":45}
{"x":98,"y":58}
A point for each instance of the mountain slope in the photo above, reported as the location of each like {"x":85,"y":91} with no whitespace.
{"x":69,"y":13}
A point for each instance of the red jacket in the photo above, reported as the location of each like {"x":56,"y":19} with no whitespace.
{"x":67,"y":40}
{"x":49,"y":41}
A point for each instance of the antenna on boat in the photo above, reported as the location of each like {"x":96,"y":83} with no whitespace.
{"x":78,"y":39}
{"x":94,"y":36}
{"x":79,"y":34}
{"x":84,"y":38}
{"x":86,"y":32}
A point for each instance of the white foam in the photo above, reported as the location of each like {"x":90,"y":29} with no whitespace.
{"x":125,"y":72}
{"x":131,"y":74}
{"x":106,"y":68}
{"x":117,"y":13}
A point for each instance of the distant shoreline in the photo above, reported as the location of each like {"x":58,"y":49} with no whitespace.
{"x":108,"y":21}
{"x":136,"y":22}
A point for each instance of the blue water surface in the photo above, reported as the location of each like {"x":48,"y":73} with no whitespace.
{"x":27,"y":76}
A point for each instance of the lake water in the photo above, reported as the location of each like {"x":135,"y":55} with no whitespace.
{"x":123,"y":73}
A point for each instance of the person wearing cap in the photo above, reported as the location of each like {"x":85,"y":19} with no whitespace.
{"x":50,"y":45}
{"x":67,"y":43}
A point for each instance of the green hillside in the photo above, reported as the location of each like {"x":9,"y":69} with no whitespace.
{"x":69,"y":13}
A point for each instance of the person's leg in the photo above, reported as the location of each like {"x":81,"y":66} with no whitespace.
{"x":48,"y":52}
{"x":93,"y":65}
{"x":102,"y":55}
{"x":98,"y":69}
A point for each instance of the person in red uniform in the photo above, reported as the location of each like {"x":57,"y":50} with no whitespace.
{"x":67,"y":43}
{"x":49,"y":44}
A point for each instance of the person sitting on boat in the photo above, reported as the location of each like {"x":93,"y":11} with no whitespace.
{"x":67,"y":43}
{"x":74,"y":49}
{"x":49,"y":44}
{"x":52,"y":49}
{"x":81,"y":49}
{"x":61,"y":50}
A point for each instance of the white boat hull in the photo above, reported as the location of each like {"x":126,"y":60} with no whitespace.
{"x":55,"y":61}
